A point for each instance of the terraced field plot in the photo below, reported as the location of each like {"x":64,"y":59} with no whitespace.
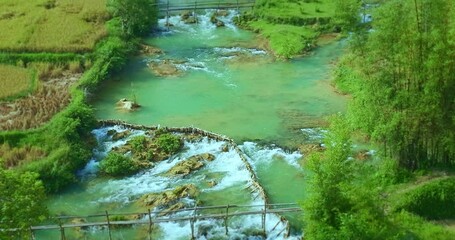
{"x":51,"y":25}
{"x":14,"y":81}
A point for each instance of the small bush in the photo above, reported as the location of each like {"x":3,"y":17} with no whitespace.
{"x":138,"y":143}
{"x":169,"y":143}
{"x":116,"y":164}
{"x":435,"y":200}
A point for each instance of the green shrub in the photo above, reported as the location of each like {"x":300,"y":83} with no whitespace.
{"x":116,"y":164}
{"x":434,"y":200}
{"x":138,"y":144}
{"x":169,"y":143}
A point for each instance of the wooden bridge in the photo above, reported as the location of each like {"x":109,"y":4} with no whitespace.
{"x":203,"y":5}
{"x":150,"y":218}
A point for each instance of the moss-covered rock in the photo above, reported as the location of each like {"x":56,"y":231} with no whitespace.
{"x":164,"y":68}
{"x":191,"y":20}
{"x":191,"y":164}
{"x":185,"y":15}
{"x":118,"y":135}
{"x":168,"y":198}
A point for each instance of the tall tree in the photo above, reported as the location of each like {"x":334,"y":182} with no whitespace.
{"x":137,"y":17}
{"x":347,"y":14}
{"x":406,"y":97}
{"x":340,"y":204}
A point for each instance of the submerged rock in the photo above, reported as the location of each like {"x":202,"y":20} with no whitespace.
{"x":118,"y":135}
{"x":165,"y":68}
{"x":191,"y":164}
{"x":150,"y":50}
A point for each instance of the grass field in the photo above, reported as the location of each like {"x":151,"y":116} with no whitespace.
{"x":299,"y":9}
{"x":51,"y":25}
{"x":291,"y":27}
{"x":15,"y":81}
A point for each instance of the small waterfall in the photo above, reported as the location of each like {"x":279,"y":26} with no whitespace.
{"x":228,"y":166}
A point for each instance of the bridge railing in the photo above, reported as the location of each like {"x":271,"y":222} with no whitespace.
{"x":224,"y":212}
{"x":200,"y":5}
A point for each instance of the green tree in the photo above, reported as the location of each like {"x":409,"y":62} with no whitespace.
{"x":341,"y":202}
{"x":137,"y":17}
{"x":347,"y":14}
{"x":406,"y":86}
{"x":21,"y":202}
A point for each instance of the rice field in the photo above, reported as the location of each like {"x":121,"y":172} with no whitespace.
{"x":15,"y":81}
{"x":36,"y":109}
{"x":51,"y":25}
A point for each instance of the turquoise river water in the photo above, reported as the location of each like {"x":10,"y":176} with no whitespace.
{"x":225,"y":83}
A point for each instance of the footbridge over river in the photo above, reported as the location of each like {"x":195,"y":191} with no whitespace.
{"x":167,"y":6}
{"x":108,"y":222}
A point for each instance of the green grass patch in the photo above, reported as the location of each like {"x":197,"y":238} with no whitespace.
{"x":290,"y":26}
{"x":433,"y":200}
{"x":286,"y":40}
{"x":299,"y":9}
{"x":15,"y":81}
{"x":52,"y":25}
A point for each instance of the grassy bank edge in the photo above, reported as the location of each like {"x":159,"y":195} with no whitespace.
{"x":66,"y":137}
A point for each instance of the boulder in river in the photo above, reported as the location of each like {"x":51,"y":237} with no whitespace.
{"x":185,"y":15}
{"x":165,"y":68}
{"x":118,"y":135}
{"x":191,"y":164}
{"x":216,"y":21}
{"x":191,"y":20}
{"x":168,"y":198}
{"x":150,"y":50}
{"x":128,"y":105}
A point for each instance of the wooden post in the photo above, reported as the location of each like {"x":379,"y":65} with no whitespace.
{"x":226,"y":220}
{"x":150,"y":225}
{"x":108,"y":225}
{"x":167,"y":15}
{"x":194,"y":12}
{"x":192,"y":228}
{"x":32,"y":235}
{"x":62,"y":230}
{"x":263,"y":217}
{"x":238,"y":11}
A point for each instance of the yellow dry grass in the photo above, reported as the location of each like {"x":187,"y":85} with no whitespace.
{"x":14,"y":81}
{"x":51,"y":25}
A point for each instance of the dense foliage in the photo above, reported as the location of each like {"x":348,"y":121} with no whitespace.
{"x":21,"y":202}
{"x":116,"y":164}
{"x":434,"y":200}
{"x":168,"y":143}
{"x":340,"y":202}
{"x":137,"y":17}
{"x":403,"y":84}
{"x":347,"y":198}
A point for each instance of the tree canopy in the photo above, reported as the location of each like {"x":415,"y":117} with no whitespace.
{"x":21,"y":202}
{"x":137,"y":17}
{"x":404,"y":93}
